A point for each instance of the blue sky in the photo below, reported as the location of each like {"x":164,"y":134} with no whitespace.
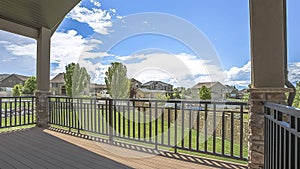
{"x":180,"y":42}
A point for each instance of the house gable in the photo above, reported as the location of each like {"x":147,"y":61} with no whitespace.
{"x":12,"y":80}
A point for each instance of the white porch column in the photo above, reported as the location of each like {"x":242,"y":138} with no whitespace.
{"x":43,"y":76}
{"x":268,"y":45}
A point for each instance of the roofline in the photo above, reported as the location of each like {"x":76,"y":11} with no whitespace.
{"x":17,"y":75}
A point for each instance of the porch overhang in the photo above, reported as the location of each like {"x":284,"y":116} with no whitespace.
{"x":27,"y":17}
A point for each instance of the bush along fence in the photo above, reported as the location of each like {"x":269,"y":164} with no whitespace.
{"x":216,"y":128}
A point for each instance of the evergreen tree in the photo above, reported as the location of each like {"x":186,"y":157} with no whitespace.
{"x":76,"y":79}
{"x":29,"y":86}
{"x":17,"y":90}
{"x":205,"y":93}
{"x":117,"y":83}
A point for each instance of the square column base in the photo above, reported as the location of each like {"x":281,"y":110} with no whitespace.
{"x":42,"y":108}
{"x":256,"y":122}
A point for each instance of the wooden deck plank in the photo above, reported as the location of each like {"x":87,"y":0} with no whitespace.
{"x":6,"y":165}
{"x":32,"y":158}
{"x":57,"y":152}
{"x":63,"y":148}
{"x":150,"y":161}
{"x":38,"y":148}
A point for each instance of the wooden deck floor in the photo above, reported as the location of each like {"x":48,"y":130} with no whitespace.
{"x":43,"y":148}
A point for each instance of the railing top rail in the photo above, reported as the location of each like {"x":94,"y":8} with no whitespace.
{"x":13,"y":97}
{"x":166,"y":101}
{"x":283,"y":108}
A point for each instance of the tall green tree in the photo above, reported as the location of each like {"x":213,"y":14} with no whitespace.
{"x":17,"y":90}
{"x":76,"y":78}
{"x":178,"y":93}
{"x":29,"y":86}
{"x":117,"y":83}
{"x":204,"y":93}
{"x":296,"y":102}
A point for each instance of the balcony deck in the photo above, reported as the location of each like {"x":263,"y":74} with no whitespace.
{"x":44,"y":148}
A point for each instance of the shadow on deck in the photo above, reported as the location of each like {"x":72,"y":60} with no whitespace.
{"x":44,"y":148}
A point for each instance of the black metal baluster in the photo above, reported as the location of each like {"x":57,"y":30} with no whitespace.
{"x":214,"y":128}
{"x":223,"y":133}
{"x":169,"y":125}
{"x":232,"y":133}
{"x":156,"y":126}
{"x":124,"y":125}
{"x":15,"y":112}
{"x":150,"y":123}
{"x":205,"y":128}
{"x":182,"y":128}
{"x":162,"y":126}
{"x":144,"y":112}
{"x":241,"y":131}
{"x":139,"y":123}
{"x":190,"y":129}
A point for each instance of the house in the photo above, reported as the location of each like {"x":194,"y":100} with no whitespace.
{"x":98,"y":89}
{"x":3,"y":76}
{"x":218,"y":90}
{"x":150,"y":94}
{"x":151,"y":89}
{"x":8,"y":81}
{"x":11,"y":80}
{"x":57,"y":85}
{"x":135,"y":84}
{"x":158,"y":85}
{"x":232,"y":92}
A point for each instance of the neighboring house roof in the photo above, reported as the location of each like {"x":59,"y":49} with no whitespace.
{"x":12,"y":80}
{"x":21,"y":77}
{"x":151,"y":82}
{"x":97,"y":86}
{"x":3,"y":76}
{"x":230,"y":89}
{"x":206,"y":84}
{"x":134,"y":80}
{"x":59,"y":78}
{"x":152,"y":91}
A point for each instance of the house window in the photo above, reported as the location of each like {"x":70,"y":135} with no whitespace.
{"x":54,"y":85}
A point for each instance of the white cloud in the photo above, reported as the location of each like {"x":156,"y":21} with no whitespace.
{"x":294,"y":72}
{"x":239,"y":76}
{"x":22,"y":49}
{"x":179,"y":69}
{"x":98,"y":19}
{"x":66,"y":48}
{"x":96,"y":3}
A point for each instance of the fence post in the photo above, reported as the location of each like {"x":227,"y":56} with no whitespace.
{"x":111,"y":109}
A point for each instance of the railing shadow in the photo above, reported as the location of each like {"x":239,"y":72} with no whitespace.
{"x":183,"y":157}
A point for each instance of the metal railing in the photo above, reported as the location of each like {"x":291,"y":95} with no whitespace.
{"x":17,"y":111}
{"x":282,"y":136}
{"x":216,"y":128}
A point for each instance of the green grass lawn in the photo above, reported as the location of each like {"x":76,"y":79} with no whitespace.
{"x":17,"y":120}
{"x":92,"y":123}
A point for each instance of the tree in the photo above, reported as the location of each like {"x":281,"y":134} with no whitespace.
{"x":76,"y":79}
{"x":17,"y":90}
{"x":296,"y":102}
{"x":178,"y":93}
{"x":117,"y":83}
{"x":204,"y":93}
{"x":29,"y":86}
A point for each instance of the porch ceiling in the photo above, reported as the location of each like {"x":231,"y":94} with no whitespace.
{"x":26,"y":17}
